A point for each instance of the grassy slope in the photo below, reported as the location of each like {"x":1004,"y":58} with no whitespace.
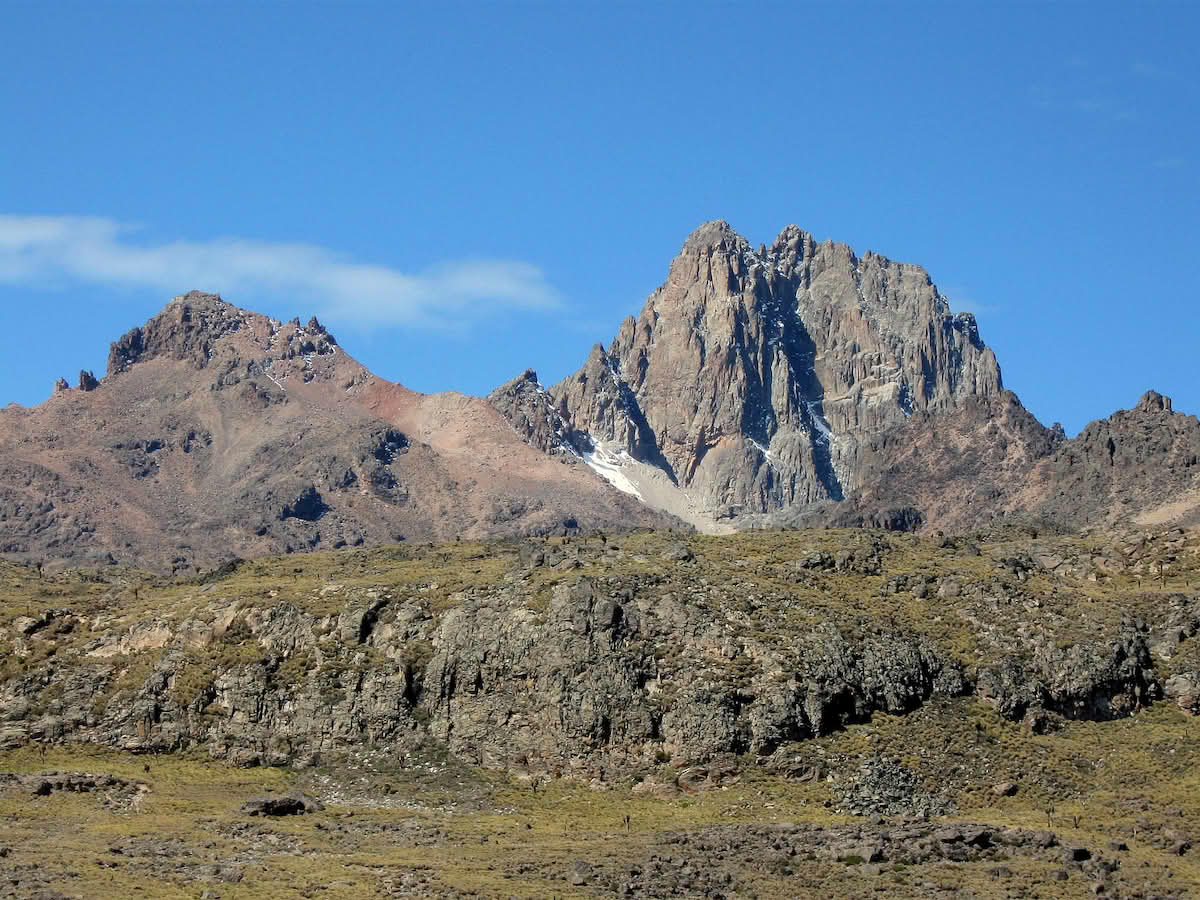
{"x":1116,"y":780}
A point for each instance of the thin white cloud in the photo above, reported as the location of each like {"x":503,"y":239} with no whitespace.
{"x":57,"y":250}
{"x":961,"y":302}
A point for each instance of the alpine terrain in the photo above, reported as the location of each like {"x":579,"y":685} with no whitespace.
{"x":781,"y":594}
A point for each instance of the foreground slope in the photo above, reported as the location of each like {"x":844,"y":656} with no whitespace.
{"x":219,"y":432}
{"x":770,"y":714}
{"x":594,"y":652}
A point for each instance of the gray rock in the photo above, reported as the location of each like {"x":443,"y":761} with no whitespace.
{"x":580,"y":873}
{"x":765,"y":339}
{"x":1184,"y":689}
{"x":1101,"y":680}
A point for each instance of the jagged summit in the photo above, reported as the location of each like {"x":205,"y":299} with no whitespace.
{"x":752,"y":378}
{"x":715,"y":235}
{"x":529,"y":409}
{"x":185,"y":329}
{"x":191,"y":324}
{"x":1152,"y":402}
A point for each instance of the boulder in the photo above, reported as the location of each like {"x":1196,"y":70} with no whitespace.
{"x":282,"y":805}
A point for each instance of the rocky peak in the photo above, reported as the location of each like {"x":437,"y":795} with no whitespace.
{"x":185,"y":329}
{"x":190,"y":326}
{"x":314,"y":327}
{"x":530,"y":409}
{"x":1142,"y":463}
{"x":1154,"y":402}
{"x":752,"y":377}
{"x":715,"y":236}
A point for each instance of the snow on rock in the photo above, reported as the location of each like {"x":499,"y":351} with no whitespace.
{"x":608,"y":466}
{"x":763,"y":450}
{"x":819,"y":421}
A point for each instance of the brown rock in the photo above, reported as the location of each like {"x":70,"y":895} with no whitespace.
{"x":214,"y":422}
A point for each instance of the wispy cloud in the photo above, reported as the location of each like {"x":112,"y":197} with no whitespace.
{"x":62,"y":250}
{"x":1155,"y":72}
{"x":1149,"y":70}
{"x":961,"y":302}
{"x":1075,"y":87}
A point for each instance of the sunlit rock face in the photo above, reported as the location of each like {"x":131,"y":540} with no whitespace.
{"x":753,"y":377}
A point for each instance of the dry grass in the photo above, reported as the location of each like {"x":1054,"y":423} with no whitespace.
{"x":1100,"y":781}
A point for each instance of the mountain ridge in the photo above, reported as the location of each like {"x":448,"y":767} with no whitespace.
{"x":827,"y":371}
{"x":220,"y":432}
{"x":798,"y":383}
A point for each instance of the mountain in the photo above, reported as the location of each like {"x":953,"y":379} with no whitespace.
{"x":217,"y":432}
{"x":757,"y":380}
{"x":793,"y":385}
{"x":802,"y":384}
{"x":1140,"y":465}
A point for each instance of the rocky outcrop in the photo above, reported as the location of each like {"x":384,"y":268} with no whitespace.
{"x":596,"y":667}
{"x":1154,"y":402}
{"x":530,"y":410}
{"x":754,"y":377}
{"x":1141,"y":464}
{"x":705,"y":862}
{"x":621,"y":670}
{"x":1097,"y":681}
{"x":186,"y":329}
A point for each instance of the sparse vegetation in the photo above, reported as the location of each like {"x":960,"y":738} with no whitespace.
{"x":416,"y":825}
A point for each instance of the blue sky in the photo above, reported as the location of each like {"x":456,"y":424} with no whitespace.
{"x":462,"y":191}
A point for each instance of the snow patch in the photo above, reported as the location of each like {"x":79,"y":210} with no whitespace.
{"x":608,"y":466}
{"x":763,"y":450}
{"x":818,"y":419}
{"x":277,"y":384}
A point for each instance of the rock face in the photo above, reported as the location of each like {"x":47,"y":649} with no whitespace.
{"x":601,"y":674}
{"x":754,"y":377}
{"x":535,"y":666}
{"x":595,"y":664}
{"x":1096,"y":681}
{"x":1141,"y":464}
{"x":529,"y":408}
